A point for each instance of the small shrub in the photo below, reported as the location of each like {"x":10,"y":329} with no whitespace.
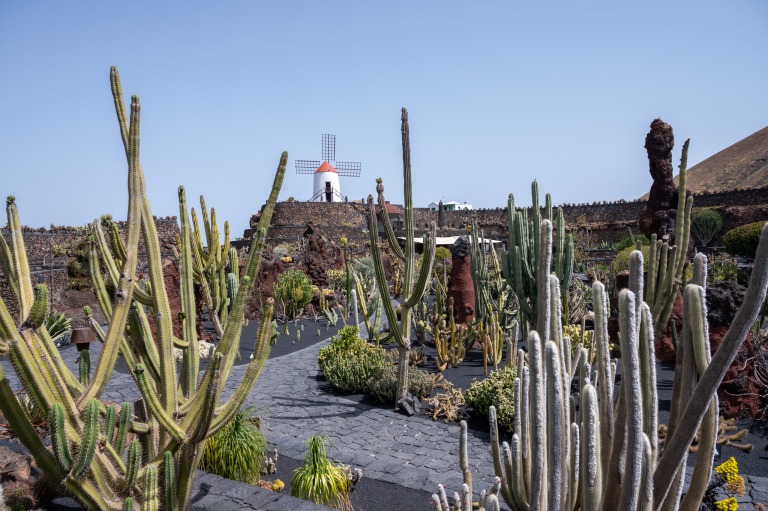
{"x":321,"y":481}
{"x":705,"y":225}
{"x":238,"y":451}
{"x":349,"y":362}
{"x":742,"y":241}
{"x":383,"y":386}
{"x":495,"y":390}
{"x":442,"y":253}
{"x":294,"y":288}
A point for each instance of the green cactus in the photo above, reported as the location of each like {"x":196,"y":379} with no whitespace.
{"x":133,"y":464}
{"x":176,"y":414}
{"x":151,"y":492}
{"x":59,"y":442}
{"x":520,"y":263}
{"x":84,"y":366}
{"x":169,"y":482}
{"x":561,"y":459}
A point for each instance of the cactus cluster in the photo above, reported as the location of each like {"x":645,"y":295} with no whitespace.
{"x":90,"y":454}
{"x":603,"y":454}
{"x":521,"y":261}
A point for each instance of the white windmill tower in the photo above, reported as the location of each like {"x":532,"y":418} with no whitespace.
{"x":326,"y":187}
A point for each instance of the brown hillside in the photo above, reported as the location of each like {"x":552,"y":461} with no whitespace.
{"x":741,"y":165}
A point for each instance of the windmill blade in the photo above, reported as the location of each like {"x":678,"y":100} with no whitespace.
{"x":348,"y":168}
{"x":306,"y":166}
{"x":329,"y":147}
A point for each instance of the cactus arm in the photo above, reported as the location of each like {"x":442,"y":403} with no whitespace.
{"x":166,"y":385}
{"x":20,"y":262}
{"x":141,"y":339}
{"x":37,"y":312}
{"x":169,"y":482}
{"x":381,"y":279}
{"x":133,"y":464}
{"x":59,"y":441}
{"x":555,"y":424}
{"x":543,"y":294}
{"x":155,"y":405}
{"x":683,"y":217}
{"x":252,"y":372}
{"x":591,"y":471}
{"x":709,"y":381}
{"x":464,"y":458}
{"x":630,"y":384}
{"x":498,"y":467}
{"x":653,"y":264}
{"x":98,"y":282}
{"x":108,"y":355}
{"x":89,"y":438}
{"x":539,"y":427}
{"x":101,"y":244}
{"x":191,"y":362}
{"x":645,"y":502}
{"x":648,"y":378}
{"x":6,"y":265}
{"x":695,"y":304}
{"x":389,"y":232}
{"x":151,"y":492}
{"x":420,"y":287}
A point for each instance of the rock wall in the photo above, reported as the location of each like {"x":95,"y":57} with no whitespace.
{"x":598,"y":221}
{"x":49,"y":250}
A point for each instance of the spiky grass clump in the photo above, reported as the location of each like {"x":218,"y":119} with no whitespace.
{"x":320,"y":480}
{"x":238,"y":451}
{"x":59,"y":327}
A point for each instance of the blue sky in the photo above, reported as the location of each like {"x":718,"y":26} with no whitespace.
{"x":499,"y":94}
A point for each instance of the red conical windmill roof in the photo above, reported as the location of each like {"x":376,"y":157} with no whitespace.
{"x":325,"y":167}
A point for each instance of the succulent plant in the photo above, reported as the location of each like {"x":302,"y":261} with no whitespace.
{"x":178,"y":412}
{"x":606,"y":456}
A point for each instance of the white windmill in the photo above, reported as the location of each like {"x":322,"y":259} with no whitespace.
{"x":326,"y":187}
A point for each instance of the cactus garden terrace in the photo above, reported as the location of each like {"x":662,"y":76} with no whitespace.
{"x":587,"y":418}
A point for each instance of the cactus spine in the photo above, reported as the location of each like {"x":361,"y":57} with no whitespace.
{"x":177,"y":413}
{"x":414,"y":285}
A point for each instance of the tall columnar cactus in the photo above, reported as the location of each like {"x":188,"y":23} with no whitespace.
{"x":178,"y":414}
{"x":414,"y":285}
{"x":521,"y":261}
{"x":606,"y":456}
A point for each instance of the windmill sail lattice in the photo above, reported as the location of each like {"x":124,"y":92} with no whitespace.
{"x":326,"y":183}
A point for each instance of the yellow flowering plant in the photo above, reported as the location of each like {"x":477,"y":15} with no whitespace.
{"x":727,"y":477}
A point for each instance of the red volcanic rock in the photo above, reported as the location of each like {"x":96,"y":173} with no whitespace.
{"x":740,"y":395}
{"x":461,"y":289}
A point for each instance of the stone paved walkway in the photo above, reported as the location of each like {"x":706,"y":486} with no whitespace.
{"x":409,"y":451}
